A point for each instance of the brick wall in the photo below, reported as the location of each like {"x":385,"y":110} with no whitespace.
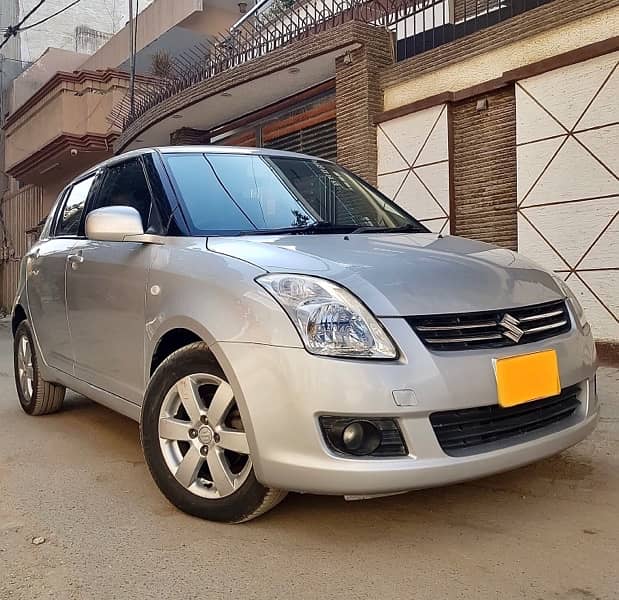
{"x":484,"y":168}
{"x":359,"y":98}
{"x":186,"y":136}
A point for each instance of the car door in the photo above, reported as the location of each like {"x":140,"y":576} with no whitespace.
{"x":46,"y":271}
{"x":106,"y":289}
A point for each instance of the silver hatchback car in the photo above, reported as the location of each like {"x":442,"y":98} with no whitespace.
{"x":274,"y":323}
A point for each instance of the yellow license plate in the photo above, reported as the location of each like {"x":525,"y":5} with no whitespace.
{"x":527,"y":377}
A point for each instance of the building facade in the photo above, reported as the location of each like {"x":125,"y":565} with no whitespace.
{"x":58,"y":118}
{"x":492,"y":120}
{"x":82,"y":28}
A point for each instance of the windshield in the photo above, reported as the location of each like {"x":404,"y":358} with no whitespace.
{"x":253,"y":194}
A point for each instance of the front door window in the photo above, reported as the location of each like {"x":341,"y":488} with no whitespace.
{"x":125,"y":185}
{"x":71,"y":214}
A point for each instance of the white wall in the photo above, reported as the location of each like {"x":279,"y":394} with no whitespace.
{"x":413,"y":165}
{"x":568,"y":185}
{"x":104,"y":15}
{"x":158,"y":18}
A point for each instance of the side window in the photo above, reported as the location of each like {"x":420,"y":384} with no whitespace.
{"x":125,"y":185}
{"x":71,"y":213}
{"x":46,"y":232}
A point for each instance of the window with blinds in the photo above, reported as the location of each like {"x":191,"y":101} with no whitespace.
{"x":308,"y":128}
{"x":317,"y":140}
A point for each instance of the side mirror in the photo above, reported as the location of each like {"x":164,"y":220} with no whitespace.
{"x":113,"y":224}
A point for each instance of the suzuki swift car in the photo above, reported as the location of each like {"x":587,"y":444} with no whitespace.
{"x":274,"y":323}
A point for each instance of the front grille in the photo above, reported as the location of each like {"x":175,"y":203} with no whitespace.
{"x":492,"y":329}
{"x":466,"y":431}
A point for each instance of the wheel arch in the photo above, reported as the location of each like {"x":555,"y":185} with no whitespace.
{"x":19,"y":315}
{"x":183,"y":332}
{"x":172,"y":340}
{"x":178,"y":332}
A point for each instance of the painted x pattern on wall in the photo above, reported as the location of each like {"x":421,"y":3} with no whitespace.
{"x":413,"y":165}
{"x":568,"y":185}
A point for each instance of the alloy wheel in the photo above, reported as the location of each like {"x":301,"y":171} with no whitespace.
{"x":25,"y":369}
{"x":202,"y":438}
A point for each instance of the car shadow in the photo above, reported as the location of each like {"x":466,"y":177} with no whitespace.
{"x":483,"y":505}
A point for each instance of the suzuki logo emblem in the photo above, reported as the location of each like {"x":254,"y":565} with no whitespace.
{"x":511,"y":328}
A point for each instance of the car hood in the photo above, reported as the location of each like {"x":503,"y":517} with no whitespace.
{"x":403,"y":274}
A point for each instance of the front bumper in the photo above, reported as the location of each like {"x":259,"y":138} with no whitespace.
{"x":282,"y":392}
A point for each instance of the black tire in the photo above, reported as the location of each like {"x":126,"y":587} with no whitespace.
{"x":247,"y":502}
{"x":46,"y":397}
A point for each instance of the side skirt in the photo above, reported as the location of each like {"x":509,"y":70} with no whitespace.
{"x":115,"y":403}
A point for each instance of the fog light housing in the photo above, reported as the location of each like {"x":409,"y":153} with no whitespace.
{"x":361,"y":436}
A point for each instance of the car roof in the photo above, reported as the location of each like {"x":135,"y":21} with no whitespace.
{"x":191,"y":150}
{"x":230,"y":150}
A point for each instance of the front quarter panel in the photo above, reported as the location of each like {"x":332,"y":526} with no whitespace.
{"x":213,"y":295}
{"x":20,"y":295}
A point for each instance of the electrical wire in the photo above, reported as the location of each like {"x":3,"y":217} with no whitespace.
{"x":58,"y":12}
{"x":13,"y":30}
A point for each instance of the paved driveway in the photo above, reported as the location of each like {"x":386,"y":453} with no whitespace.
{"x":548,"y":531}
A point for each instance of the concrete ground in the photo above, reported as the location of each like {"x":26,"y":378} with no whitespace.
{"x":78,"y":479}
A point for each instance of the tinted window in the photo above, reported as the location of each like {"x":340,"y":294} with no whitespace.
{"x":249,"y":193}
{"x":162,"y":216}
{"x":125,"y":185}
{"x":71,"y":214}
{"x":337,"y":196}
{"x":49,"y":221}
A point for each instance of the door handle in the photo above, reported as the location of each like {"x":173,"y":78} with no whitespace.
{"x":75,"y":260}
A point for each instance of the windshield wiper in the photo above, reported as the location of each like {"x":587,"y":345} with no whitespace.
{"x":328,"y":227}
{"x":317,"y":227}
{"x":409,"y":228}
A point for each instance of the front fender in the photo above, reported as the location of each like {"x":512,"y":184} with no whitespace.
{"x":213,"y":295}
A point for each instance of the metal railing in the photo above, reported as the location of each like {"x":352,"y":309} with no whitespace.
{"x":267,"y":29}
{"x":448,"y":20}
{"x":418,"y":25}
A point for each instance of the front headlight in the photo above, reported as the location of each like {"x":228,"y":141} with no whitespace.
{"x":330,"y":320}
{"x":575,"y":305}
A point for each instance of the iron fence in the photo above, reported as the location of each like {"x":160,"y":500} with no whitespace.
{"x":418,"y":25}
{"x":449,"y":20}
